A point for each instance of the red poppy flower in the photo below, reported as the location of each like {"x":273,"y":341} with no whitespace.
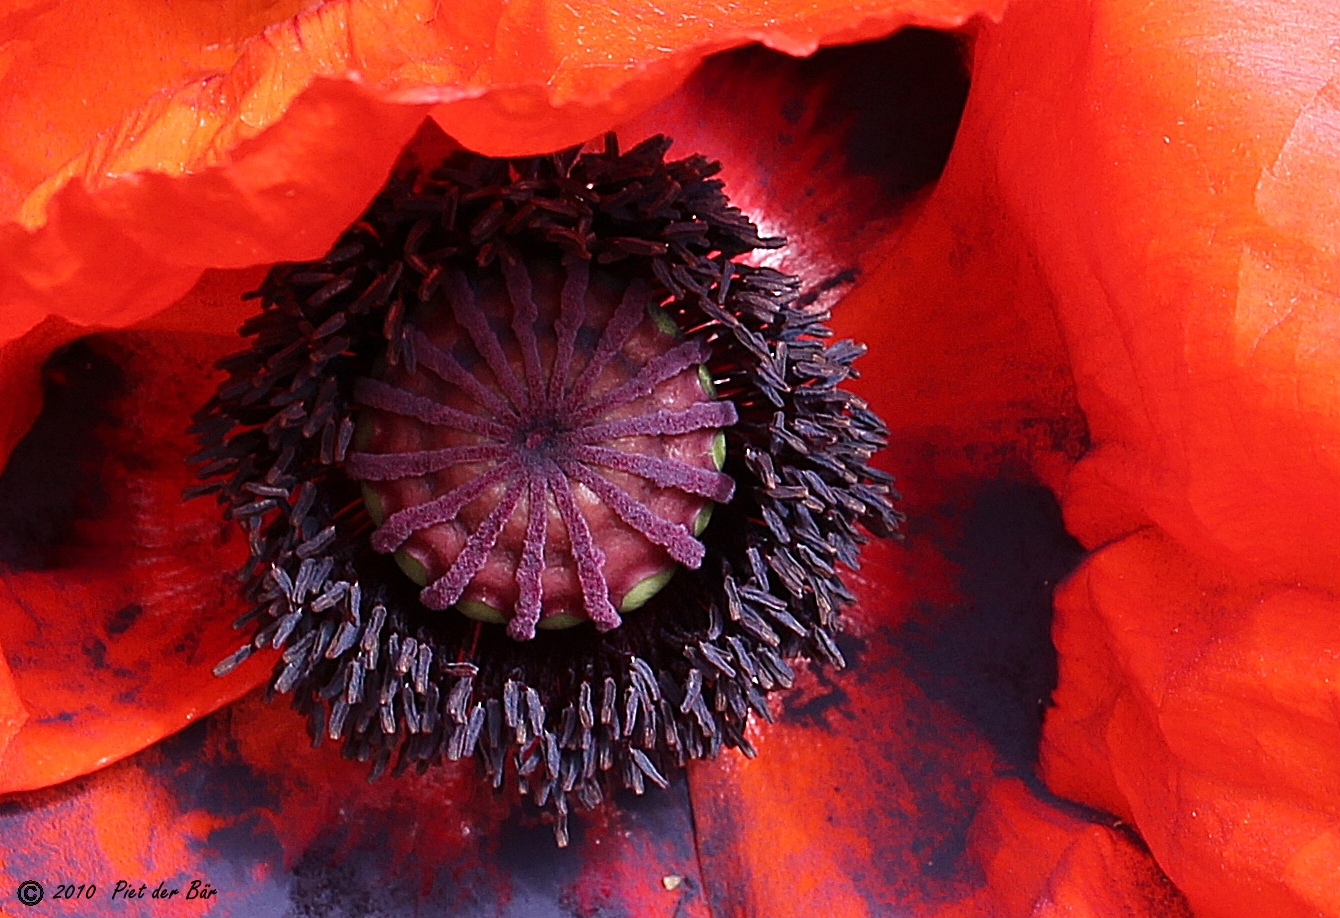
{"x":1121,"y":291}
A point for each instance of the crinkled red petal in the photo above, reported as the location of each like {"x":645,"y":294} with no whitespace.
{"x":1169,"y":168}
{"x":240,"y":149}
{"x":116,"y":599}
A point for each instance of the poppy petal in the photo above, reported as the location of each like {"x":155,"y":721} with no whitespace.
{"x":116,"y":597}
{"x":1042,"y":861}
{"x":1175,"y":187}
{"x":879,"y":790}
{"x":221,"y":803}
{"x":1167,"y":165}
{"x":263,"y":149}
{"x":1194,"y":701}
{"x":115,"y":253}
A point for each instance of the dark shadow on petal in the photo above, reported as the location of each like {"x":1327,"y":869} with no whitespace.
{"x":537,"y":869}
{"x":364,"y":884}
{"x":831,"y":151}
{"x":991,"y":657}
{"x":828,"y":699}
{"x":890,"y":109}
{"x":942,"y":792}
{"x":897,"y":104}
{"x":51,"y":478}
{"x":230,"y":788}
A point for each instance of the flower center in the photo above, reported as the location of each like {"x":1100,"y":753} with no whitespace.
{"x":540,"y":441}
{"x":546,"y":451}
{"x":515,"y":352}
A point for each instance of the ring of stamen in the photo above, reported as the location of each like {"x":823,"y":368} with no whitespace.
{"x":568,"y":718}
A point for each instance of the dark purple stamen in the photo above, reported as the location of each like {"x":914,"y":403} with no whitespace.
{"x":532,"y":414}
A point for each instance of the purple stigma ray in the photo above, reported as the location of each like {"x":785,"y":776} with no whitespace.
{"x":663,"y":422}
{"x":572,"y":310}
{"x":667,"y":473}
{"x":446,"y":368}
{"x":590,"y":559}
{"x":666,"y":366}
{"x":448,"y":588}
{"x":392,"y":466}
{"x":543,"y":435}
{"x":674,"y":538}
{"x":627,"y":317}
{"x":524,"y":316}
{"x":530,"y":569}
{"x":400,"y":526}
{"x":373,"y":393}
{"x":467,"y":312}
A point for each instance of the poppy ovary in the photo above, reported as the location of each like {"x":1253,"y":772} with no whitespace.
{"x":546,"y":451}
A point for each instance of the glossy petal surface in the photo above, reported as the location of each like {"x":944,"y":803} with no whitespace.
{"x":1167,"y":164}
